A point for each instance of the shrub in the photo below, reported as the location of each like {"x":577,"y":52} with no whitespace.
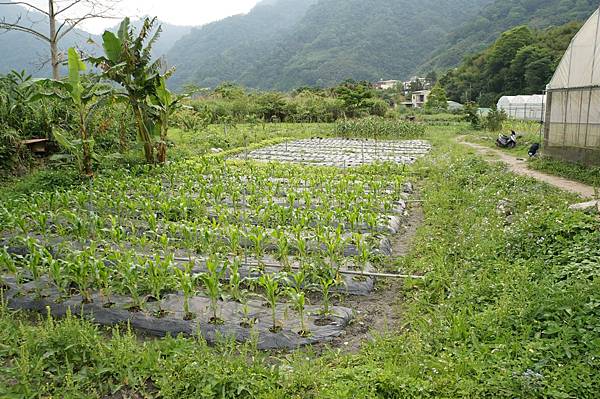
{"x":376,"y":127}
{"x":494,"y":120}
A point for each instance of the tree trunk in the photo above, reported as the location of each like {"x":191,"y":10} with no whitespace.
{"x":54,"y":56}
{"x":162,"y":147}
{"x":144,"y":134}
{"x":87,"y":153}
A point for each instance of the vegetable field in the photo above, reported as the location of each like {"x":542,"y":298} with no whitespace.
{"x":221,"y":248}
{"x":343,"y":152}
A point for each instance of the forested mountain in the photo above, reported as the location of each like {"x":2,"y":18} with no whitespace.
{"x":287,"y":43}
{"x":20,"y":51}
{"x":499,"y":16}
{"x":226,"y":49}
{"x":521,"y":61}
{"x":283,"y":44}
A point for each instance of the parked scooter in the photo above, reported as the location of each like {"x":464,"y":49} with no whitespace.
{"x":506,"y":141}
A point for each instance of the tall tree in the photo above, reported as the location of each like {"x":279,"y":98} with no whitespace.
{"x":63,"y":16}
{"x":437,"y":99}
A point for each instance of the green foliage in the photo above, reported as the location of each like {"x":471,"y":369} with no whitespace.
{"x":231,"y":103}
{"x":521,"y":61}
{"x":494,"y":120}
{"x":437,"y":99}
{"x":508,"y":308}
{"x":22,"y":118}
{"x":128,"y":62}
{"x":289,"y":43}
{"x":584,"y":174}
{"x":501,"y":15}
{"x":379,"y":128}
{"x":85,"y":96}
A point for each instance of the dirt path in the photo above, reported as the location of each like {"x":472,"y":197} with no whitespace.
{"x":519,"y":166}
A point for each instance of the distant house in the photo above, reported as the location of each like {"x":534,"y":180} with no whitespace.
{"x":386,"y":84}
{"x":419,"y":98}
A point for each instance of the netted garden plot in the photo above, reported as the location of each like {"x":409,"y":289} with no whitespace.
{"x":221,"y":249}
{"x":341,"y":152}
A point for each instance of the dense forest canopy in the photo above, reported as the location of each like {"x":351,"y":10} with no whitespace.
{"x":482,"y":30}
{"x":521,"y":61}
{"x":290,"y":43}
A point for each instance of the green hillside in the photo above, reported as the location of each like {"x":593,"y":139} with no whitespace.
{"x":288,"y":43}
{"x":482,"y":30}
{"x":226,"y":49}
{"x":521,"y":61}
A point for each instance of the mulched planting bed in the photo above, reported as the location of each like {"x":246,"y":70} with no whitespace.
{"x":230,"y":230}
{"x":240,"y":323}
{"x":342,"y":152}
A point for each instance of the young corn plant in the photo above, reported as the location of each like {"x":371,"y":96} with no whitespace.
{"x":212,"y":284}
{"x":301,"y":242}
{"x":283,"y":249}
{"x":8,"y":264}
{"x":104,"y":277}
{"x":35,"y":263}
{"x":298,"y":299}
{"x":270,"y":284}
{"x":158,"y":279}
{"x":236,"y":291}
{"x":57,"y":273}
{"x":131,"y":279}
{"x":258,"y":237}
{"x":363,"y":250}
{"x":327,"y":278}
{"x":235,"y":237}
{"x":187,"y":284}
{"x":81,"y":274}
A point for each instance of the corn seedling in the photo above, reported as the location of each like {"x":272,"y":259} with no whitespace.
{"x":187,"y":285}
{"x":298,"y":299}
{"x":235,"y":281}
{"x":158,"y":279}
{"x":212,"y":284}
{"x":270,"y":283}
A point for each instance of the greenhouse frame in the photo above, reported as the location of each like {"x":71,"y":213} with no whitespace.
{"x":572,"y":127}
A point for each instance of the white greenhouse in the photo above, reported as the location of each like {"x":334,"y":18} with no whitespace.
{"x":572,"y":128}
{"x":529,"y":108}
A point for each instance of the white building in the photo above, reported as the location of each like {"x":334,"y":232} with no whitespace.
{"x":419,"y":98}
{"x":386,"y":84}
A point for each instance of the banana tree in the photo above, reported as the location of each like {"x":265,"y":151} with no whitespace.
{"x":164,"y":103}
{"x":86,"y":96}
{"x":128,"y":62}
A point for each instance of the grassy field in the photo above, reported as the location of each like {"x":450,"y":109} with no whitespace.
{"x":509,"y":308}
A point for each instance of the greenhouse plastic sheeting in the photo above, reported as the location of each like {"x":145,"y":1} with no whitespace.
{"x":572,"y":129}
{"x":523,"y":107}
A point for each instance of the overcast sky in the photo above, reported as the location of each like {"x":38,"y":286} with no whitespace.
{"x":178,"y":12}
